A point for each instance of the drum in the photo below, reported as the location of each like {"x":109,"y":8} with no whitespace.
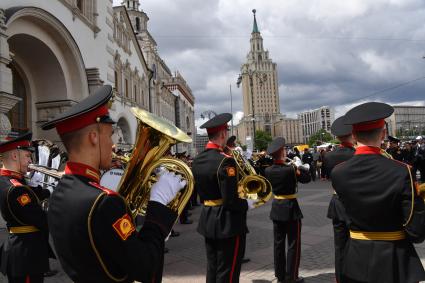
{"x":111,"y":178}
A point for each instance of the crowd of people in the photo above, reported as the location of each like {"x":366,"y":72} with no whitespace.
{"x":376,"y":211}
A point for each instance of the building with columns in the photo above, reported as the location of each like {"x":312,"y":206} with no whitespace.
{"x":290,"y":129}
{"x":260,"y":90}
{"x":55,"y":53}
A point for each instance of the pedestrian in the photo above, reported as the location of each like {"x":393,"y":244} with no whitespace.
{"x":394,"y":149}
{"x":223,"y":217}
{"x":285,"y":213}
{"x":336,"y":210}
{"x":386,"y":214}
{"x":92,"y":228}
{"x":307,"y":158}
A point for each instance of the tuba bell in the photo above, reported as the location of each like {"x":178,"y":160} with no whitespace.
{"x":154,"y":138}
{"x":250,"y":184}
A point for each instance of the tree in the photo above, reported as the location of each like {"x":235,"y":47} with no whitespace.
{"x":262,"y":140}
{"x":320,"y":137}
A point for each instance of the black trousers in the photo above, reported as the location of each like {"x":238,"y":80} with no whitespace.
{"x":39,"y":278}
{"x":286,"y":264}
{"x":224,"y":259}
{"x":341,"y":235}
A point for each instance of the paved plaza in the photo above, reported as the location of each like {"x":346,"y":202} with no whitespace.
{"x":186,"y":261}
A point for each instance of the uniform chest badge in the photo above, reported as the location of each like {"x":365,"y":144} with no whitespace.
{"x":124,"y":227}
{"x":231,"y":171}
{"x":24,"y":199}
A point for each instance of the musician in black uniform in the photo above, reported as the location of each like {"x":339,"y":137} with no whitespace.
{"x":25,"y":253}
{"x":394,"y":149}
{"x":336,"y":210}
{"x":223,"y":216}
{"x":92,"y":227}
{"x":386,"y":214}
{"x":285,"y":213}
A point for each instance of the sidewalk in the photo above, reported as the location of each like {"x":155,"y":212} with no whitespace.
{"x":186,"y":260}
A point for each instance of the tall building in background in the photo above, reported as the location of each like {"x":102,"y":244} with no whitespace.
{"x":314,"y":120}
{"x":259,"y":89}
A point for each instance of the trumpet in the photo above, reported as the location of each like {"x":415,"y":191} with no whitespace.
{"x":46,"y":171}
{"x":296,"y":161}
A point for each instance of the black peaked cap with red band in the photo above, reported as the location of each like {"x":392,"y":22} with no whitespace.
{"x":217,"y":123}
{"x":91,"y":110}
{"x":340,"y":129}
{"x":368,"y":116}
{"x":393,"y":139}
{"x":275,"y":145}
{"x":22,"y":141}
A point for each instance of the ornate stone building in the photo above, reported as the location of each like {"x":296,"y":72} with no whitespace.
{"x":260,"y":90}
{"x":55,"y":53}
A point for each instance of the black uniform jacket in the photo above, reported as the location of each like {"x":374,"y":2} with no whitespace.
{"x":344,"y":152}
{"x":284,"y":180}
{"x":396,"y":153}
{"x":216,"y":177}
{"x":23,"y":253}
{"x":94,"y":234}
{"x":377,"y":195}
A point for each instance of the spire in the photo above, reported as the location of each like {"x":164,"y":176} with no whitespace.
{"x":255,"y":26}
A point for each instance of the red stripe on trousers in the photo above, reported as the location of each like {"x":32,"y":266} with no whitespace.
{"x":27,"y":279}
{"x":235,"y":256}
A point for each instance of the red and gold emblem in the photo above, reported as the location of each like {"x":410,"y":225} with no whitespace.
{"x":24,"y":199}
{"x":124,"y":227}
{"x":231,"y":171}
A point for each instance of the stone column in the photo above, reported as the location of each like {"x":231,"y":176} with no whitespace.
{"x":7,"y":99}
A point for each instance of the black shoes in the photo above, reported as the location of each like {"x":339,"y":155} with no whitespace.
{"x":245,"y":260}
{"x":174,"y":233}
{"x":50,"y":273}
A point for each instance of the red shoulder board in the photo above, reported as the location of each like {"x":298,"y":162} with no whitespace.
{"x":15,"y":183}
{"x":107,"y":191}
{"x":221,"y":152}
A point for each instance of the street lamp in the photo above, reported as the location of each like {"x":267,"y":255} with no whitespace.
{"x":261,"y":77}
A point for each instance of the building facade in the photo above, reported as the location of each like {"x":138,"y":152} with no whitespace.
{"x":290,"y":129}
{"x":55,"y":53}
{"x":200,"y":143}
{"x":314,"y":120}
{"x":260,"y":90}
{"x":407,"y":121}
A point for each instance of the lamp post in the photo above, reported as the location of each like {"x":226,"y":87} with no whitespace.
{"x":261,"y":78}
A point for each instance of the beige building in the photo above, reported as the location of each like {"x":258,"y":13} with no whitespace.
{"x":314,"y":120}
{"x":260,"y":91}
{"x":407,"y":121}
{"x":55,"y":53}
{"x":290,"y":129}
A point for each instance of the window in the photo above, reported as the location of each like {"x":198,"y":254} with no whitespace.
{"x":135,"y":93}
{"x":137,"y":24}
{"x":126,"y":88}
{"x":80,"y":5}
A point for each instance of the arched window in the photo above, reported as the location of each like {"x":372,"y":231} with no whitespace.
{"x":18,"y":114}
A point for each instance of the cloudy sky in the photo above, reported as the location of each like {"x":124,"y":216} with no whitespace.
{"x":328,"y":52}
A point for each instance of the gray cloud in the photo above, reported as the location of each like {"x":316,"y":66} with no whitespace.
{"x":329,"y":52}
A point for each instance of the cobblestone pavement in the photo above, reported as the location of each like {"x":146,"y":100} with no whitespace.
{"x":186,"y":261}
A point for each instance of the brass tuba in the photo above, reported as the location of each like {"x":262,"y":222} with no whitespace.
{"x":154,"y":138}
{"x":250,"y":184}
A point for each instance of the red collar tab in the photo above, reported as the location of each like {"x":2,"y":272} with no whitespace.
{"x":217,"y":129}
{"x":368,"y":150}
{"x":347,"y":144}
{"x":279,"y":162}
{"x":75,"y":168}
{"x":10,"y":173}
{"x":80,"y":121}
{"x":369,"y":125}
{"x":14,"y":145}
{"x":211,"y":145}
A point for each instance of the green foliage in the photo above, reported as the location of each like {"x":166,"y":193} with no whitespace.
{"x":320,"y":137}
{"x":262,"y":140}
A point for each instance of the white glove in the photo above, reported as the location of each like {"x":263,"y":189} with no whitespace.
{"x":166,"y":188}
{"x":297,"y":161}
{"x":251,"y":203}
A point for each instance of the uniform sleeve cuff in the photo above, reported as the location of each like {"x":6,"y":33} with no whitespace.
{"x":161,"y":216}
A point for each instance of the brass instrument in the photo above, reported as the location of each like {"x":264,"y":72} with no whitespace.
{"x":250,"y":184}
{"x":421,"y":190}
{"x":154,"y":138}
{"x":46,"y":171}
